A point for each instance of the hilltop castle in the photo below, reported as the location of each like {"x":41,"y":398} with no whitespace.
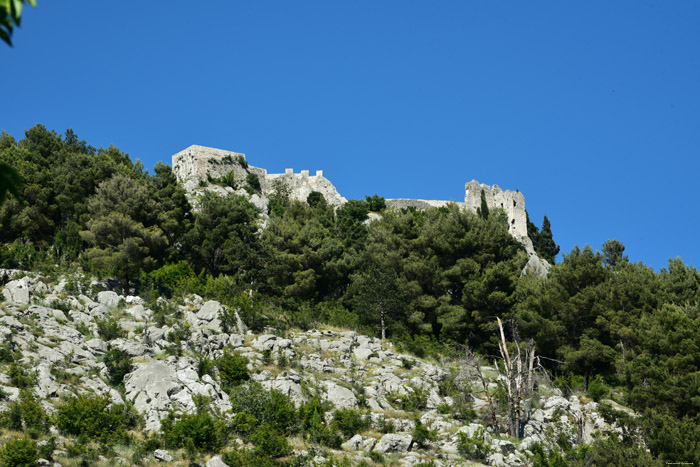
{"x":198,"y":166}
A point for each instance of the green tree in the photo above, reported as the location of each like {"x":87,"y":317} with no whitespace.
{"x":122,"y":232}
{"x":375,"y":203}
{"x":613,"y":253}
{"x":10,"y":181}
{"x":378,"y":295}
{"x":546,"y":248}
{"x":483,"y":210}
{"x":11,"y":16}
{"x":224,"y":237}
{"x":174,"y":213}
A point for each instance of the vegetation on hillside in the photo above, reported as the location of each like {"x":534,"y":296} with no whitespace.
{"x":428,"y":280}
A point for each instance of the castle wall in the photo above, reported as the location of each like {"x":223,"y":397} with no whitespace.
{"x":512,"y":202}
{"x":197,"y":163}
{"x":400,"y":203}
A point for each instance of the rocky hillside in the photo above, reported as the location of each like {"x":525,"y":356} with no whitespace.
{"x":71,"y":342}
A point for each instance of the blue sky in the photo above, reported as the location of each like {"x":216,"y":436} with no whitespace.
{"x":591,"y":109}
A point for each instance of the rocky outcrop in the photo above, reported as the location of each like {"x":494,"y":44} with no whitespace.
{"x":62,"y":349}
{"x":198,"y":168}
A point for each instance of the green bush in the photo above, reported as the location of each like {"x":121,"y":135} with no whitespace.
{"x":174,"y":277}
{"x":94,"y":418}
{"x":312,"y":420}
{"x":422,"y":435}
{"x":473,"y":447}
{"x":20,"y":377}
{"x":6,"y":353}
{"x":205,"y":366}
{"x":412,"y":401}
{"x":200,"y":431}
{"x":244,"y":424}
{"x":375,"y":203}
{"x":250,"y":311}
{"x":268,"y":442}
{"x":25,"y":415}
{"x":268,"y":407}
{"x":19,"y":452}
{"x":253,"y":183}
{"x":350,"y":422}
{"x":233,"y":369}
{"x":109,"y":329}
{"x":118,"y":365}
{"x":597,"y":389}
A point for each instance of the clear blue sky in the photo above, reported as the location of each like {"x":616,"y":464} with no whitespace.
{"x":591,"y":109}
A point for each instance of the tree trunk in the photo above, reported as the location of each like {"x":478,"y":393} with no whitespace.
{"x":381,"y":317}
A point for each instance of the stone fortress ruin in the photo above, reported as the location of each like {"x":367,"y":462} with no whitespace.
{"x":197,"y":166}
{"x":200,"y":169}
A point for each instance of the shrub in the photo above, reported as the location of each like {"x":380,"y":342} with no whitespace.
{"x":26,"y":415}
{"x":241,"y":161}
{"x":473,"y":447}
{"x":597,"y":389}
{"x":200,"y":431}
{"x":19,"y":452}
{"x":205,"y":366}
{"x":253,"y":183}
{"x":6,"y":353}
{"x":422,"y":435}
{"x":375,"y":203}
{"x":109,"y":329}
{"x":172,"y":277}
{"x":118,"y":364}
{"x":268,"y":407}
{"x":312,"y":421}
{"x":350,"y":422}
{"x":20,"y":377}
{"x":94,"y":418}
{"x":386,"y":426}
{"x":251,"y":312}
{"x":412,"y":401}
{"x":268,"y":442}
{"x":244,"y":424}
{"x":233,"y":369}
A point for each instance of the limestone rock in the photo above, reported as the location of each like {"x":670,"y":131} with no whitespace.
{"x":162,"y":455}
{"x":393,"y":442}
{"x":216,"y":461}
{"x":108,"y":298}
{"x":353,"y":444}
{"x":341,"y":397}
{"x":17,"y":291}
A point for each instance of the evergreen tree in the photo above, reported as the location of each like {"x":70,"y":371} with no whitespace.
{"x":483,"y":211}
{"x":532,"y":231}
{"x":546,"y":248}
{"x":224,"y":237}
{"x":613,"y":252}
{"x":122,"y":233}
